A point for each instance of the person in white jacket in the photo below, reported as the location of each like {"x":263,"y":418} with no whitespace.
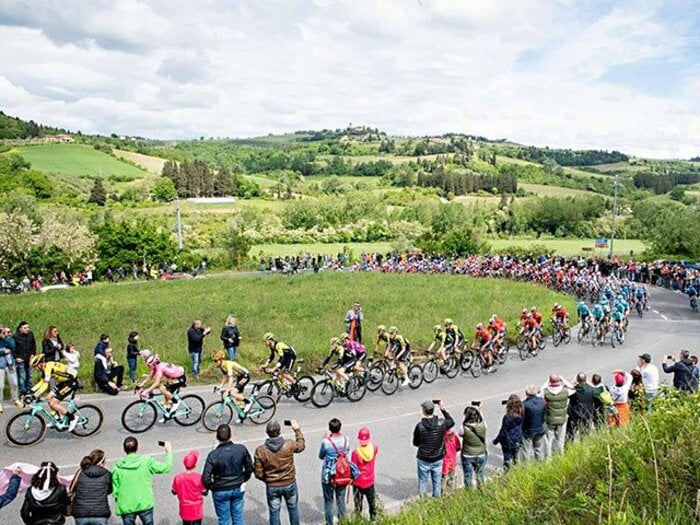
{"x":620,"y":395}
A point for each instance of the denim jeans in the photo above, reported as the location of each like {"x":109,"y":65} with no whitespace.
{"x":432,"y":470}
{"x":24,"y":377}
{"x":290,"y":494}
{"x":145,"y":515}
{"x":190,"y":522}
{"x":232,"y":351}
{"x":91,"y":521}
{"x":329,"y":493}
{"x":131,"y":361}
{"x":228,"y":505}
{"x":196,"y":358}
{"x":510,"y":457}
{"x":474,"y":465}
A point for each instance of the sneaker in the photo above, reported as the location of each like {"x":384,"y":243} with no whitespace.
{"x":405,"y":381}
{"x":19,"y":404}
{"x":247,"y":405}
{"x":72,"y":422}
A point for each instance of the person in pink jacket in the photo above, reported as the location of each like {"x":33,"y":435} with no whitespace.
{"x":189,"y":489}
{"x":449,"y":462}
{"x":364,"y":457}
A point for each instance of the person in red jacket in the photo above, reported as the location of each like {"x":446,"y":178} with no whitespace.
{"x":189,"y":489}
{"x":364,"y":457}
{"x":449,"y":462}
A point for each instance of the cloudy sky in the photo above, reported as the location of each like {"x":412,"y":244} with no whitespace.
{"x":590,"y":73}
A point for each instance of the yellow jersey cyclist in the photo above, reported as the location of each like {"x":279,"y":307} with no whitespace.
{"x":400,"y":350}
{"x":382,"y":340}
{"x":66,"y":383}
{"x":285,"y":355}
{"x":232,"y":371}
{"x":347,"y":359}
{"x":440,"y":341}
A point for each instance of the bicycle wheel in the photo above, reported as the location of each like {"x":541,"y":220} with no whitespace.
{"x":466,"y":360}
{"x":139,"y":416}
{"x":270,"y":388}
{"x":415,"y":376}
{"x":90,"y":419}
{"x":524,"y":351}
{"x":556,"y":338}
{"x":451,"y":367}
{"x":502,"y":355}
{"x":567,"y":336}
{"x":25,"y":429}
{"x":430,"y":371}
{"x":580,"y":334}
{"x":217,"y":413}
{"x":613,"y":338}
{"x":376,"y":376}
{"x":355,"y":388}
{"x":263,"y":410}
{"x":323,"y":393}
{"x":194,"y":407}
{"x":302,"y":390}
{"x":521,"y":342}
{"x":476,"y":367}
{"x":390,"y":382}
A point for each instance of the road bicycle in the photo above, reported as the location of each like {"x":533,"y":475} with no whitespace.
{"x":29,"y":426}
{"x":501,"y":354}
{"x":277,"y":385}
{"x":329,"y":388}
{"x":141,"y":415}
{"x":639,"y":307}
{"x":560,"y":334}
{"x":435,"y":366}
{"x":259,"y":410}
{"x":479,"y":363}
{"x":393,"y":377}
{"x":584,"y":330}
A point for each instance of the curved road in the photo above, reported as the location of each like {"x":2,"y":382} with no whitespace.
{"x":668,"y":327}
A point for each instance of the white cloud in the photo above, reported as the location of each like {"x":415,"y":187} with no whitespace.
{"x":528,"y":70}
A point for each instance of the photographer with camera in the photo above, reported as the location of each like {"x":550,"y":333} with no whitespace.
{"x":474,"y":454}
{"x":682,"y":370}
{"x":429,"y":437}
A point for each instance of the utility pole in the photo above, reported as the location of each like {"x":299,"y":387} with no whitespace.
{"x":178,"y":216}
{"x":614,"y":213}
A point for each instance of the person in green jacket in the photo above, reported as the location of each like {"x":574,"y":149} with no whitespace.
{"x":132,"y":482}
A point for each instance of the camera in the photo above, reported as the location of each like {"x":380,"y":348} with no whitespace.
{"x":476,"y":403}
{"x":161,"y":443}
{"x":287,"y":423}
{"x":504,"y":402}
{"x":436,"y":401}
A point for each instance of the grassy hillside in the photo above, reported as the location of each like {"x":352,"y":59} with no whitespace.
{"x":543,"y":190}
{"x":305,"y":311}
{"x":644,"y":474}
{"x":571,"y":246}
{"x":151,"y":164}
{"x":77,"y":160}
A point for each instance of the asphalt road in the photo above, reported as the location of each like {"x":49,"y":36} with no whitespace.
{"x":667,"y":328}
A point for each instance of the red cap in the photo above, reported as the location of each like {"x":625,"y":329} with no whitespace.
{"x":190,"y":459}
{"x":363,"y":436}
{"x":619,"y":379}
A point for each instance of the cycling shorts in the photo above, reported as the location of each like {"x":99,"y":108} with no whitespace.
{"x":65,"y":388}
{"x":174,"y":385}
{"x":287,"y":361}
{"x":241,"y":382}
{"x":402,"y":356}
{"x":485,"y":346}
{"x":348,"y":365}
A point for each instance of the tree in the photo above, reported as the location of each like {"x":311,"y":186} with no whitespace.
{"x":164,"y":190}
{"x":677,"y":193}
{"x":98,"y":193}
{"x":237,"y":245}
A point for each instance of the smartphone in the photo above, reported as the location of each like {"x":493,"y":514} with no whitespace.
{"x":287,"y":423}
{"x":504,"y":402}
{"x":476,"y":403}
{"x":161,"y":443}
{"x":436,"y":401}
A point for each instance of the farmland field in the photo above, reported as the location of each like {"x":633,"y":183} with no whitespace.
{"x":571,"y":246}
{"x":153,"y":165}
{"x":543,"y":190}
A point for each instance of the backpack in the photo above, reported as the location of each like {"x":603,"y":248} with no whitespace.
{"x":606,"y":400}
{"x":343,"y":472}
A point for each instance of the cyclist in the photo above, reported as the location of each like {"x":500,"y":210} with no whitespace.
{"x":359,"y":349}
{"x":605,"y":305}
{"x":345,"y":363}
{"x":400,"y":350}
{"x":285,"y":354}
{"x":232,"y":371}
{"x":583,"y":313}
{"x":598,"y":314}
{"x":498,"y":331}
{"x":530,"y":330}
{"x":66,"y":383}
{"x":537,"y":317}
{"x":483,"y":338}
{"x":454,"y":338}
{"x":523,"y":316}
{"x":382,"y":339}
{"x":167,"y":377}
{"x":439,"y":340}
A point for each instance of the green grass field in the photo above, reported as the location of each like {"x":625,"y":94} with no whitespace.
{"x":304,"y":311}
{"x":153,"y":165}
{"x":280,"y":250}
{"x":572,"y":246}
{"x":543,"y":190}
{"x":76,"y":160}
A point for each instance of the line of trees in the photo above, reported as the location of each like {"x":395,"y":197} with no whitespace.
{"x":664,"y":182}
{"x":16,"y":128}
{"x":461,"y":183}
{"x":566,"y":157}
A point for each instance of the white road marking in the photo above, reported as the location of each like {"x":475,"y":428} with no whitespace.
{"x":656,"y":312}
{"x":664,"y":317}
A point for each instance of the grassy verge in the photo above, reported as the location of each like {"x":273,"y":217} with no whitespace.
{"x":304,"y":311}
{"x":280,"y":250}
{"x":570,"y":247}
{"x":647,"y":473}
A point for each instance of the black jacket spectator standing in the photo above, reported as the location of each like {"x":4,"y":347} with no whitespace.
{"x":534,"y":409}
{"x":25,"y":348}
{"x":46,"y":501}
{"x":429,"y":437}
{"x":683,"y":378}
{"x":195,"y":341}
{"x":92,"y":488}
{"x":581,"y":408}
{"x":52,"y":345}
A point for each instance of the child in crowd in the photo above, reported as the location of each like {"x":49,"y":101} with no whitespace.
{"x":449,"y":462}
{"x":190,"y":491}
{"x":72,"y":357}
{"x":364,"y":457}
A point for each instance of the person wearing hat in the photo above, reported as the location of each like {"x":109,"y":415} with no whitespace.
{"x":274,"y":465}
{"x":650,"y":377}
{"x":620,"y":395}
{"x":364,"y":457}
{"x":556,"y":394}
{"x":429,"y":437}
{"x":190,"y":491}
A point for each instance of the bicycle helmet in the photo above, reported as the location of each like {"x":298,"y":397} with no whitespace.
{"x":556,"y":306}
{"x":479,"y":326}
{"x":269,"y":336}
{"x":36,"y":360}
{"x":153,"y":360}
{"x":437,"y":328}
{"x":533,"y":309}
{"x":345,"y":336}
{"x":335,"y":341}
{"x":145,"y":353}
{"x":582,"y":303}
{"x":219,"y":356}
{"x":381,"y":328}
{"x":448,"y":321}
{"x":524,"y":311}
{"x":529,"y":316}
{"x":393,"y":330}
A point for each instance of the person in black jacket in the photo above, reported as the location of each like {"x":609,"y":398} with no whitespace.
{"x":581,"y":408}
{"x":52,"y":345}
{"x":429,"y":437}
{"x":511,"y":433}
{"x":227,"y":468}
{"x":25,"y":348}
{"x":92,"y":485}
{"x":533,"y":442}
{"x":46,"y":501}
{"x":231,"y":337}
{"x":195,"y":340}
{"x":108,"y":375}
{"x":682,"y":370}
{"x":132,"y":354}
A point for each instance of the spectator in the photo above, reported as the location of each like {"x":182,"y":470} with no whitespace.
{"x":637,"y":396}
{"x":534,"y":441}
{"x":91,"y":487}
{"x":581,"y":408}
{"x":332,"y":446}
{"x":132,"y":354}
{"x":696,"y":371}
{"x":511,"y":432}
{"x":353,"y":322}
{"x":102,"y":345}
{"x":650,"y":376}
{"x":108,"y":375}
{"x":231,"y":337}
{"x":190,"y":491}
{"x":429,"y":437}
{"x":46,"y":501}
{"x":25,"y":348}
{"x":449,"y":463}
{"x":274,"y":465}
{"x":682,"y":370}
{"x":226,"y":470}
{"x":195,"y":341}
{"x":364,"y":458}
{"x":7,"y":366}
{"x":604,"y":407}
{"x":72,"y":358}
{"x":474,"y":454}
{"x":132,"y":482}
{"x":556,"y":395}
{"x":620,"y":396}
{"x":52,"y":345}
{"x":12,"y":488}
